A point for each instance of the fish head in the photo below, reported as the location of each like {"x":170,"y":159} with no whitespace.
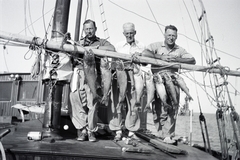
{"x":148,"y":75}
{"x":119,"y":65}
{"x":89,"y":58}
{"x":157,"y":78}
{"x":160,"y":79}
{"x":136,"y":69}
{"x":105,"y":63}
{"x":166,"y":76}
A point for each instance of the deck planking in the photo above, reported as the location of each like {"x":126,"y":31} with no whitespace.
{"x":19,"y":148}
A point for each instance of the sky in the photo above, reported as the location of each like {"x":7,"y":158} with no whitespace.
{"x":25,"y":17}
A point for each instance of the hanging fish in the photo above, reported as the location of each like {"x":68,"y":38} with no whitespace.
{"x":170,"y":88}
{"x":89,"y":68}
{"x":150,"y":91}
{"x":181,"y":83}
{"x":161,"y":90}
{"x":106,"y":75}
{"x":36,"y":68}
{"x":139,"y":84}
{"x":122,"y":84}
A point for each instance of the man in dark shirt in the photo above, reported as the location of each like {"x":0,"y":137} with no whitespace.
{"x":84,"y":113}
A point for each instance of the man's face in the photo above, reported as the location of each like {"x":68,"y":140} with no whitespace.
{"x":89,"y":30}
{"x":170,"y":37}
{"x":129,"y":34}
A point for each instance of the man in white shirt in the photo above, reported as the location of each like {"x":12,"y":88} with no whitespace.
{"x":128,"y":46}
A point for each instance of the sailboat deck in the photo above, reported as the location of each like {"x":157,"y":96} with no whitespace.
{"x":18,"y":147}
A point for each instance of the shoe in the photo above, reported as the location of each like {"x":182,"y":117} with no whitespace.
{"x":118,"y":136}
{"x":134,"y":137}
{"x":91,"y":137}
{"x":168,"y":140}
{"x":82,"y":136}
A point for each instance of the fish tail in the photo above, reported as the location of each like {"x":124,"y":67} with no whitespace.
{"x":105,"y":100}
{"x":96,"y":100}
{"x":148,"y":108}
{"x":119,"y":107}
{"x":190,"y":98}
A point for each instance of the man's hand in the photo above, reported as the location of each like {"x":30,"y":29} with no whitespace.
{"x":91,"y":47}
{"x":135,"y":56}
{"x":168,"y":58}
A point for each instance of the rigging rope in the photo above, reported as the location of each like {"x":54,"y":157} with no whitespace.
{"x":154,"y":17}
{"x":164,"y":26}
{"x":218,"y":92}
{"x":202,"y":119}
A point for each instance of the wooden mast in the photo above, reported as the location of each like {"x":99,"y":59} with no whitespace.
{"x":78,"y":20}
{"x":52,"y":114}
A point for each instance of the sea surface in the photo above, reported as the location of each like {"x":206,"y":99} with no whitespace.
{"x":183,"y":129}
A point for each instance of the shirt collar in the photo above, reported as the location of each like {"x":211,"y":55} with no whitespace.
{"x":88,"y":41}
{"x":133,"y":44}
{"x":174,"y":47}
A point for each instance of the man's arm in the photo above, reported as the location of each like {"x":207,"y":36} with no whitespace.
{"x":176,"y":59}
{"x":148,"y":53}
{"x":107,"y":48}
{"x":185,"y":60}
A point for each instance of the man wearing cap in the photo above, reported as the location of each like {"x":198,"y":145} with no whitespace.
{"x":129,"y":46}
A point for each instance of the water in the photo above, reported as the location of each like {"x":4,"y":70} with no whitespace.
{"x":183,"y":129}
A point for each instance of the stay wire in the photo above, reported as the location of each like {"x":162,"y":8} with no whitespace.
{"x":30,"y":17}
{"x":210,"y":98}
{"x":164,"y":26}
{"x":4,"y":57}
{"x":32,"y":23}
{"x":154,"y":17}
{"x":25,"y":19}
{"x":43,"y":16}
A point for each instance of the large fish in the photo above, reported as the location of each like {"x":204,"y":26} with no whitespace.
{"x":150,"y":87}
{"x":122,"y":84}
{"x":181,"y":83}
{"x":89,"y":68}
{"x":106,"y":75}
{"x":161,"y":90}
{"x":139,"y":84}
{"x":170,"y":88}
